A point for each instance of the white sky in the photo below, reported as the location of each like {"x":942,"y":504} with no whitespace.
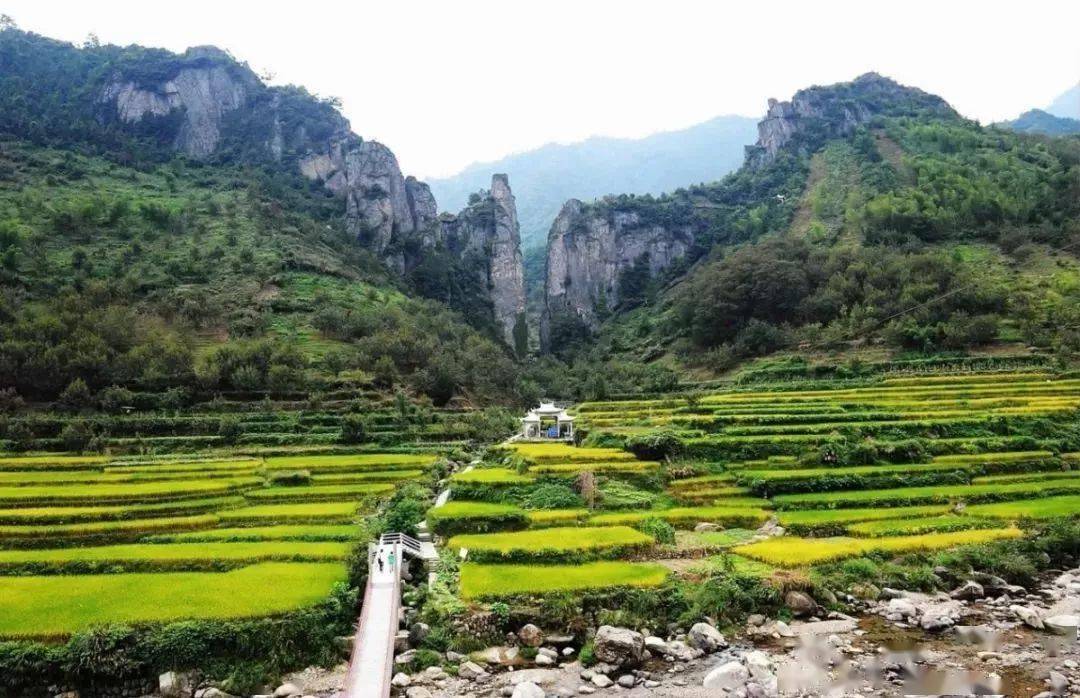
{"x":448,"y":82}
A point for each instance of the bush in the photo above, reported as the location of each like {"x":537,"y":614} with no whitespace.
{"x":552,"y":495}
{"x":659,"y":529}
{"x":658,"y":445}
{"x":616,"y":494}
{"x":354,"y":429}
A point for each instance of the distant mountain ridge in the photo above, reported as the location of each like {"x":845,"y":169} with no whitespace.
{"x":1067,"y":104}
{"x":546,"y":177}
{"x":1039,"y":121}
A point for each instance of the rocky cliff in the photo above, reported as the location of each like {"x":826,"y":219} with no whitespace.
{"x":589,"y":246}
{"x":208,"y":106}
{"x":818,"y":113}
{"x":487,"y":234}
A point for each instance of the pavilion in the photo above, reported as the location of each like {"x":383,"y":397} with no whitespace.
{"x":547,"y":422}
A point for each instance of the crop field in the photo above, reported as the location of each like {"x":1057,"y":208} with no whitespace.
{"x":488,"y":581}
{"x":884,"y":465}
{"x":88,"y":540}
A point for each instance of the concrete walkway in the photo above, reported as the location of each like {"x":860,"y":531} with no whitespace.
{"x":371,"y":666}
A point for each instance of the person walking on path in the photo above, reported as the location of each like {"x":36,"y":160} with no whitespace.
{"x":391,"y":558}
{"x":379,"y":554}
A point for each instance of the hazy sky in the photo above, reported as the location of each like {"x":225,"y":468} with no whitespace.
{"x":448,"y":82}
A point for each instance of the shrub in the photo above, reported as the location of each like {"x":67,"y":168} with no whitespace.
{"x":616,"y":494}
{"x":659,"y":529}
{"x":475,"y":517}
{"x":552,"y":495}
{"x":658,"y":445}
{"x":354,"y":429}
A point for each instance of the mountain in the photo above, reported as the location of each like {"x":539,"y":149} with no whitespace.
{"x":170,"y":221}
{"x":866,"y":212}
{"x":1067,"y":104}
{"x":546,"y":177}
{"x":1039,"y":121}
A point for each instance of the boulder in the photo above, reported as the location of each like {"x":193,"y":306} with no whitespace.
{"x":619,"y":646}
{"x":471,"y":670}
{"x":401,"y":680}
{"x":454,"y":657}
{"x":600,"y":681}
{"x":968,"y":591}
{"x":417,"y":692}
{"x":706,"y":638}
{"x":405,"y":657}
{"x":800,"y":603}
{"x":626,"y":681}
{"x":212,"y":692}
{"x":418,"y":632}
{"x":760,"y":666}
{"x":727,"y":677}
{"x":530,"y":635}
{"x":1028,"y":616}
{"x":544,"y":660}
{"x":656,"y":645}
{"x":1065,"y":624}
{"x":902,"y":607}
{"x":527,"y":689}
{"x":177,"y":684}
{"x":935,"y":622}
{"x":287,"y":690}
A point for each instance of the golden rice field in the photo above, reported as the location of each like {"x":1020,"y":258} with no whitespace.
{"x":86,"y":540}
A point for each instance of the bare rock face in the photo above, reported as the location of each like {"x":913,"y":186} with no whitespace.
{"x":589,"y":247}
{"x":487,"y":230}
{"x":836,"y":110}
{"x":205,"y":90}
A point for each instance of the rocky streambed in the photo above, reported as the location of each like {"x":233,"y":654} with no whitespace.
{"x":986,"y":637}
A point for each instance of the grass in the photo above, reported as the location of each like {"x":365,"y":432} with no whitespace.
{"x":310,"y":532}
{"x":565,"y":453}
{"x":1027,"y":477}
{"x":357,"y":460}
{"x":55,"y":607}
{"x":551,"y":541}
{"x":929,"y":494}
{"x":116,"y":528}
{"x":50,"y":462}
{"x":927,"y":524}
{"x":318,"y":493}
{"x":180,"y":553}
{"x":554,"y":517}
{"x":1044,"y":508}
{"x":489,"y":581}
{"x":492,"y":476}
{"x":61,"y":515}
{"x":312,"y":511}
{"x":811,"y":518}
{"x":685,"y":516}
{"x":595,"y":467}
{"x":793,"y":551}
{"x":142,"y":491}
{"x":194,"y":467}
{"x":470,"y":510}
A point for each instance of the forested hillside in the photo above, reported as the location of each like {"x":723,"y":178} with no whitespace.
{"x":913,"y":230}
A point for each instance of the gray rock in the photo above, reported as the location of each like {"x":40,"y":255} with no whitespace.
{"x":544,"y":660}
{"x":935,"y":622}
{"x":760,"y":666}
{"x":586,"y":690}
{"x":728,"y":676}
{"x":527,"y":689}
{"x":619,"y":646}
{"x":1027,"y":615}
{"x":800,"y":603}
{"x":418,"y":632}
{"x":177,"y":684}
{"x":454,"y":657}
{"x":417,"y":692}
{"x":287,"y":690}
{"x":530,"y":635}
{"x":626,"y":681}
{"x":471,"y":670}
{"x":212,"y":692}
{"x":1065,"y":624}
{"x":600,"y":681}
{"x":706,"y":527}
{"x":405,"y":657}
{"x":968,"y":591}
{"x":401,"y":680}
{"x":706,"y":638}
{"x":1059,"y":683}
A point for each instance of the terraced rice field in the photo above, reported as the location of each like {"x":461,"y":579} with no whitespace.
{"x":87,"y":540}
{"x":890,"y":466}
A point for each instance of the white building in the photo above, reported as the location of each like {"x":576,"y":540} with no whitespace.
{"x":547,"y":422}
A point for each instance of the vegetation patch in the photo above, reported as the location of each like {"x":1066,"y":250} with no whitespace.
{"x":475,"y":517}
{"x":793,"y":551}
{"x":556,"y":543}
{"x":311,"y":532}
{"x":928,"y":524}
{"x":316,"y":511}
{"x":1044,"y":508}
{"x":57,"y":606}
{"x":686,"y":516}
{"x":491,"y":581}
{"x":319,"y":493}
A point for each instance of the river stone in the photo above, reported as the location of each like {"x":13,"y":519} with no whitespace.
{"x":729,"y":677}
{"x":1029,"y":616}
{"x":286,"y":690}
{"x":626,"y":681}
{"x":401,"y":680}
{"x":706,"y":638}
{"x":600,"y":681}
{"x":1065,"y":624}
{"x":470,"y":670}
{"x":800,"y":603}
{"x":619,"y":646}
{"x":418,"y":692}
{"x":527,"y":689}
{"x":530,"y":635}
{"x":177,"y":684}
{"x":968,"y":591}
